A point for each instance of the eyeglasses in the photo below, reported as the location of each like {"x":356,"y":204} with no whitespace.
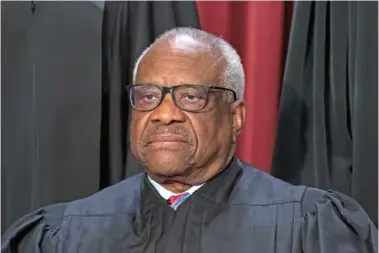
{"x":188,"y":97}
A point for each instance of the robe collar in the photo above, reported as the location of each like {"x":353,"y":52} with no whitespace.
{"x":217,"y":190}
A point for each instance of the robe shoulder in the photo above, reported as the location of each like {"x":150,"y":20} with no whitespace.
{"x":330,"y":221}
{"x":334,"y":222}
{"x":27,"y":232}
{"x":120,"y":198}
{"x":38,"y":229}
{"x":258,"y":188}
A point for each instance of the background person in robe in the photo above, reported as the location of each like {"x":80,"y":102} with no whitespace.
{"x":187,"y":94}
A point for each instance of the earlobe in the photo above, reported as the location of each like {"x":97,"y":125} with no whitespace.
{"x":239,"y":114}
{"x":234,"y":140}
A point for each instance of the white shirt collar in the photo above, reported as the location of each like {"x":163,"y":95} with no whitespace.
{"x":166,"y":193}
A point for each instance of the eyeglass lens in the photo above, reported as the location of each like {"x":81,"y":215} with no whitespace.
{"x":186,"y":97}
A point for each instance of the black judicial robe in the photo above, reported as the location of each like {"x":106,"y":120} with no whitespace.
{"x":241,"y":210}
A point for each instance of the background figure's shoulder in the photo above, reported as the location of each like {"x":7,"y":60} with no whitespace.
{"x":116,"y":199}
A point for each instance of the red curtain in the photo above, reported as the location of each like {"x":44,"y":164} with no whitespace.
{"x":259,"y":32}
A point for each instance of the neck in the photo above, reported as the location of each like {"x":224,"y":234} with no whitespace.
{"x":176,"y":187}
{"x":198,"y":176}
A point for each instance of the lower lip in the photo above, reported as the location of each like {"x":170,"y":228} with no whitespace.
{"x":166,"y":144}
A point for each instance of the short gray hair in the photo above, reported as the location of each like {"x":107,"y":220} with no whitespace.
{"x":233,"y":76}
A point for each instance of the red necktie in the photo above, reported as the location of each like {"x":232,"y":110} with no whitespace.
{"x":176,"y":200}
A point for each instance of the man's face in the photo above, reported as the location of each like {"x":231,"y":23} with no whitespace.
{"x":171,"y":142}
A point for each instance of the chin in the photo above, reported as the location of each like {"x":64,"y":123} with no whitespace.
{"x":166,"y":162}
{"x":167,"y":166}
{"x":167,"y":169}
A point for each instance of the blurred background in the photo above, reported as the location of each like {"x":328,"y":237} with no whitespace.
{"x":311,"y":92}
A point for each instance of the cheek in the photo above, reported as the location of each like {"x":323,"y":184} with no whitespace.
{"x":137,"y":127}
{"x":210,"y":131}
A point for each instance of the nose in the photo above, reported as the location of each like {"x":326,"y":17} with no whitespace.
{"x":167,"y":112}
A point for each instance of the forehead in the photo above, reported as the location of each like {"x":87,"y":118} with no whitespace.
{"x":183,"y":63}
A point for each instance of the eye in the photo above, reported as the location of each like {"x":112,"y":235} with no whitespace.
{"x":144,"y":98}
{"x":149,"y":97}
{"x":191,"y":98}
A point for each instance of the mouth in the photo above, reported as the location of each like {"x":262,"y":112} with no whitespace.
{"x":167,"y":141}
{"x":166,"y":138}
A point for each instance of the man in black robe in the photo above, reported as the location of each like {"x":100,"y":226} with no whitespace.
{"x":195,"y":196}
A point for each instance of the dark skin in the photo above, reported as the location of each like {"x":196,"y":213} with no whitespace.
{"x":207,"y":138}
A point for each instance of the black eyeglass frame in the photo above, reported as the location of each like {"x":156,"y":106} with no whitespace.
{"x":171,"y":89}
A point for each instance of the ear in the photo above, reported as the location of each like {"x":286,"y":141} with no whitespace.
{"x":238,"y":110}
